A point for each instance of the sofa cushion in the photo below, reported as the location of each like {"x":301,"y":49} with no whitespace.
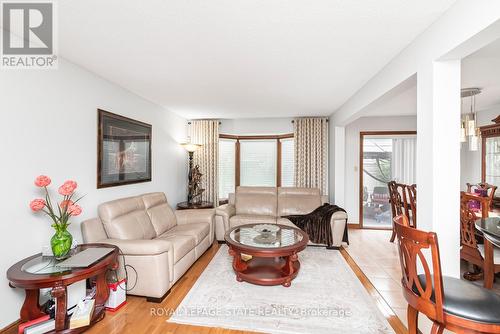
{"x":256,"y":201}
{"x":181,"y":244}
{"x":126,"y":219}
{"x":298,"y":201}
{"x":160,"y":213}
{"x":238,"y":220}
{"x":198,"y":231}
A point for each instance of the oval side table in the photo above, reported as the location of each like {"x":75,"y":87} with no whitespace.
{"x":37,"y":272}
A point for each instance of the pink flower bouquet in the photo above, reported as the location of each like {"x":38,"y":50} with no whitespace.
{"x":60,"y":213}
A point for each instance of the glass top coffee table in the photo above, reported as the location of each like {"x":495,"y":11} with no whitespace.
{"x":266,"y":254}
{"x":490,"y":228}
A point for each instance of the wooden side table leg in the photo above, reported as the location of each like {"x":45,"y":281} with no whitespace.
{"x":59,"y":292}
{"x":102,"y":290}
{"x":31,"y":307}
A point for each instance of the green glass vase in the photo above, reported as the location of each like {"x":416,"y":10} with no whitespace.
{"x":61,"y":244}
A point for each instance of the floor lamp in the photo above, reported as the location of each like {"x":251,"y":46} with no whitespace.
{"x":191,"y":148}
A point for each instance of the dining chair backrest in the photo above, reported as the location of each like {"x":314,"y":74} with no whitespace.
{"x":468,"y":218}
{"x":412,"y":244}
{"x":488,"y":189}
{"x":403,"y":199}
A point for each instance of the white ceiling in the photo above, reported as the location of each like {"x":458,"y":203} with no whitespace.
{"x":241,"y":59}
{"x":482,"y":69}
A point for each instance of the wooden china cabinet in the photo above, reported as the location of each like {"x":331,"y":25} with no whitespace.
{"x":490,"y":157}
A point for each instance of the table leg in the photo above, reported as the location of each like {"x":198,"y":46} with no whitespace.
{"x":289,"y":269}
{"x":102,"y":289}
{"x":59,"y":292}
{"x":489,"y":272}
{"x":31,"y":307}
{"x":238,"y":264}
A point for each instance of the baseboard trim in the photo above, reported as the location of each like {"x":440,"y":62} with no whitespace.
{"x":158,"y":299}
{"x":11,"y":328}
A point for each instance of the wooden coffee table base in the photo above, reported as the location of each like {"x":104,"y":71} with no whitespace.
{"x":265,"y":270}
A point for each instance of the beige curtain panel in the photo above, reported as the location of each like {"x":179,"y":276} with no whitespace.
{"x":206,"y":133}
{"x":311,"y":153}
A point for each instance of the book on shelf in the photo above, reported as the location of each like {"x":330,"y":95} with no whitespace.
{"x":41,"y":327}
{"x":82,"y":314}
{"x":24,"y":325}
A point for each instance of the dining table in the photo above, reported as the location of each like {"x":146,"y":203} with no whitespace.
{"x":490,"y":227}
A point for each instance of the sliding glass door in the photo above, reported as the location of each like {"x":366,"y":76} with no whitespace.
{"x":384,"y":156}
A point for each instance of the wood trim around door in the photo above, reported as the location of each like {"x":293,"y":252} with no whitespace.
{"x":362,"y":134}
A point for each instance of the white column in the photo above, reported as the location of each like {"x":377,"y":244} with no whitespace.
{"x":339,"y":165}
{"x":438,"y":158}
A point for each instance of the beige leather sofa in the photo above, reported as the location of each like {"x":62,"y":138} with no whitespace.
{"x":158,"y":242}
{"x":269,"y":205}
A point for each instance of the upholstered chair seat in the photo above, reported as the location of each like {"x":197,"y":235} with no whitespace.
{"x":467,"y":300}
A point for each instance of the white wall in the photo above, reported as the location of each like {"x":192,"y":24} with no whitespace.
{"x":395,"y":123}
{"x":470,"y":162}
{"x":49,"y":126}
{"x":256,"y":126}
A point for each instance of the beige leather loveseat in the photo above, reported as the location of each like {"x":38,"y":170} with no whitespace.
{"x":158,"y":242}
{"x":269,"y":205}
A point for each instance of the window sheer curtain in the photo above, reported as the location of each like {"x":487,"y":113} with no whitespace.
{"x":311,"y":153}
{"x":206,"y":133}
{"x":404,"y":160}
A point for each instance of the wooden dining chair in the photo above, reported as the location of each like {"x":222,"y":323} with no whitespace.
{"x":483,"y":256}
{"x":403,"y":200}
{"x":448,"y":302}
{"x":482,"y":186}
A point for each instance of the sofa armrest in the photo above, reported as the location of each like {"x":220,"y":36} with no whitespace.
{"x":226,"y":211}
{"x":195,"y":216}
{"x":141,"y":247}
{"x":338,"y":223}
{"x":324,"y":199}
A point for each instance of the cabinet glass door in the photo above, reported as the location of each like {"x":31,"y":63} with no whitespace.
{"x":492,"y":161}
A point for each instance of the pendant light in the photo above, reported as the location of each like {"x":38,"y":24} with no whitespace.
{"x":468,"y":127}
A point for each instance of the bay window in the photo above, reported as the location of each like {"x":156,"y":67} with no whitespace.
{"x":255,"y":161}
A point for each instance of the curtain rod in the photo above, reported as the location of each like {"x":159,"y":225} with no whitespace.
{"x":189,"y":123}
{"x":293,"y":121}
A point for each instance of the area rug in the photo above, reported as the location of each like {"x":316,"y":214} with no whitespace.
{"x":326,"y":297}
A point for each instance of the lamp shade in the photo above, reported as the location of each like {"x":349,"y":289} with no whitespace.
{"x":473,"y":143}
{"x":190,"y":147}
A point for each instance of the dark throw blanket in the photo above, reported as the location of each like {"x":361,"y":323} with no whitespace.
{"x":317,"y":224}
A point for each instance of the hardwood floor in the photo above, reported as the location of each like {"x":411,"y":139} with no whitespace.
{"x":140,"y":316}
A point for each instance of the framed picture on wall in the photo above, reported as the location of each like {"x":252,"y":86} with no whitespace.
{"x":123,"y":150}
